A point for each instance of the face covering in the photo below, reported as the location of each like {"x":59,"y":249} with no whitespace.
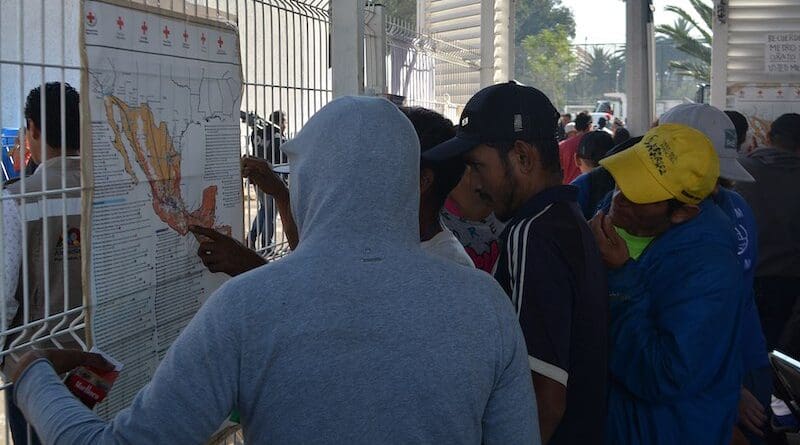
{"x":636,"y":244}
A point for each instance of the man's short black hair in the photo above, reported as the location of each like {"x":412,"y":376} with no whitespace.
{"x":740,"y":123}
{"x":594,"y":146}
{"x":621,"y":135}
{"x":567,"y":115}
{"x":277,"y":116}
{"x":601,"y":122}
{"x":583,"y":122}
{"x":785,"y":132}
{"x":52,"y":114}
{"x":432,"y":129}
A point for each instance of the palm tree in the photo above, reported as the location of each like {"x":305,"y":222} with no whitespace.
{"x":692,"y":38}
{"x":599,"y":67}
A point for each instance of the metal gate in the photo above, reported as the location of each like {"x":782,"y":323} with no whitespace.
{"x":285,"y":48}
{"x":425,"y":70}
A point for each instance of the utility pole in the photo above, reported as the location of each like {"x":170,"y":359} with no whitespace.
{"x":639,"y":66}
{"x":347,"y":47}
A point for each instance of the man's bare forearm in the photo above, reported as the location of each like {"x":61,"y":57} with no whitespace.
{"x":551,"y":399}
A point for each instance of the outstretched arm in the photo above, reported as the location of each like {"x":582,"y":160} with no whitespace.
{"x":192,"y":392}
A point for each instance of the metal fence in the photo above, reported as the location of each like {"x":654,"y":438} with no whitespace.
{"x":424,"y":70}
{"x":284,"y":46}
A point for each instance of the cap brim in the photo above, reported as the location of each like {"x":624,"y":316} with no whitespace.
{"x":455,"y":147}
{"x":634,"y":179}
{"x":731,"y":169}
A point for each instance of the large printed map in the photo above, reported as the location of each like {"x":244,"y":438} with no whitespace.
{"x":163,"y":96}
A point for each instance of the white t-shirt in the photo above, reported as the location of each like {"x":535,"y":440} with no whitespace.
{"x":446,"y":245}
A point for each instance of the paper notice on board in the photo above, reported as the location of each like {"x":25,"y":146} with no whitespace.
{"x":164,"y":94}
{"x":782,"y":53}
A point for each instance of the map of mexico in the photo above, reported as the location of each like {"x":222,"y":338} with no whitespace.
{"x":156,"y":156}
{"x":162,"y":92}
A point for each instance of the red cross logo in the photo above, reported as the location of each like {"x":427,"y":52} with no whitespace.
{"x":220,"y":42}
{"x":120,"y":22}
{"x":203,"y":38}
{"x":144,"y":27}
{"x":185,"y":36}
{"x":90,"y":17}
{"x":166,"y":32}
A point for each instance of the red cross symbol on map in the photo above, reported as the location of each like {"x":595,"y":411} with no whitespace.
{"x":120,"y":22}
{"x":166,"y":32}
{"x":203,"y":38}
{"x":144,"y":27}
{"x":185,"y":36}
{"x":220,"y":42}
{"x":90,"y":17}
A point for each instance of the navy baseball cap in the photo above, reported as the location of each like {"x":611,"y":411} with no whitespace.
{"x":500,"y":113}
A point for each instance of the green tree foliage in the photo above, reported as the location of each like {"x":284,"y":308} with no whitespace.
{"x":693,"y":38}
{"x":405,"y":10}
{"x":533,"y":17}
{"x":549,"y":57}
{"x":601,"y":67}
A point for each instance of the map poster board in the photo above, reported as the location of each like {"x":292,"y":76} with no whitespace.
{"x":782,"y":53}
{"x":162,"y":94}
{"x":762,"y":104}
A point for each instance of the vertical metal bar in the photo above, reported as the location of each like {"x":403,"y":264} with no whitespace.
{"x":63,"y":125}
{"x":44,"y":166}
{"x":4,"y":297}
{"x":249,"y":129}
{"x":23,"y":208}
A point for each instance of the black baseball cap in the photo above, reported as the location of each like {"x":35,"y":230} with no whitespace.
{"x":500,"y":113}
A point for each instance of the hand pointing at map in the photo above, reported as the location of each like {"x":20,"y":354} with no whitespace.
{"x":221,"y":253}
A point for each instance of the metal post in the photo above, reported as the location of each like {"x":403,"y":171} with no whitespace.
{"x":380,"y":49}
{"x":487,"y":43}
{"x":639,"y":79}
{"x":719,"y":54}
{"x":505,"y":40}
{"x":347,"y":47}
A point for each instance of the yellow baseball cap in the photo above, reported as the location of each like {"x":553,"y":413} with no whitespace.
{"x":671,"y":161}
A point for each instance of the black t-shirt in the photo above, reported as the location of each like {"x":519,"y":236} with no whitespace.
{"x":551,"y":269}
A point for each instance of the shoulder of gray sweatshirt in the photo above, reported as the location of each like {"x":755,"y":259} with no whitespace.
{"x":356,"y":337}
{"x":775,"y":200}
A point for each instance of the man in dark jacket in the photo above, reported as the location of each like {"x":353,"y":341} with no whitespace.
{"x":775,"y":199}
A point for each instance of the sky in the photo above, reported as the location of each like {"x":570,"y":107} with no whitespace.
{"x":603,"y":21}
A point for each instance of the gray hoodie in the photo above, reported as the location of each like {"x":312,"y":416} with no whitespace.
{"x":775,"y":199}
{"x":357,"y":337}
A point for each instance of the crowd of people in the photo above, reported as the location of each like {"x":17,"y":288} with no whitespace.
{"x":515,"y":278}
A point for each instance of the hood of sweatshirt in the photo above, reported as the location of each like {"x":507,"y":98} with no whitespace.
{"x":354,"y":185}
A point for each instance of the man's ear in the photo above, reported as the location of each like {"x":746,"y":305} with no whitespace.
{"x":684,"y":213}
{"x":526,"y":156}
{"x":578,"y":162}
{"x":33,"y":131}
{"x":425,"y":180}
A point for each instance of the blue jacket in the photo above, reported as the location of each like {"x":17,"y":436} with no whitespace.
{"x":675,"y":363}
{"x":754,"y":347}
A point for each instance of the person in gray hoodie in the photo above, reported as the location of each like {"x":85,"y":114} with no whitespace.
{"x":775,"y":199}
{"x":356,"y":337}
